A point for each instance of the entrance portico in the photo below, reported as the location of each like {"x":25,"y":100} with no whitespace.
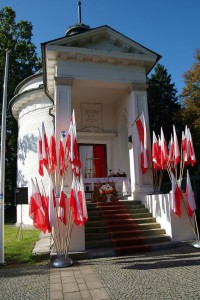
{"x":102,"y":75}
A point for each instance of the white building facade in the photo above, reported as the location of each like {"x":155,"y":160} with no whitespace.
{"x":101,"y":74}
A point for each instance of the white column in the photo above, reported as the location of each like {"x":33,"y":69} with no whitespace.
{"x":63,"y":111}
{"x":141,"y":184}
{"x":63,"y":88}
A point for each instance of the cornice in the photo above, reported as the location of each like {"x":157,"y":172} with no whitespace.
{"x":64,"y":81}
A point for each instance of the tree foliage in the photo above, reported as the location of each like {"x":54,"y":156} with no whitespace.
{"x":23,"y":62}
{"x":191,"y":104}
{"x":163,"y":102}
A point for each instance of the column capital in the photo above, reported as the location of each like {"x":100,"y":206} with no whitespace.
{"x":138,"y":86}
{"x":64,"y":80}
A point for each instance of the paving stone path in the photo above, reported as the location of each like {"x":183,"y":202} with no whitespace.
{"x":171,"y":274}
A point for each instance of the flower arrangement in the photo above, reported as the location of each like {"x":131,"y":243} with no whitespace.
{"x":106,"y":190}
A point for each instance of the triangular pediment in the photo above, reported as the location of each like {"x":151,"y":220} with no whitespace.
{"x":106,"y":39}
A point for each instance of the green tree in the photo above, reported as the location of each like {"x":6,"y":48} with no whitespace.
{"x":163,"y":102}
{"x":23,"y":62}
{"x":191,"y":105}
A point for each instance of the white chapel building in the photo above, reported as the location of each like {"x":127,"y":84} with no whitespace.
{"x":101,"y":74}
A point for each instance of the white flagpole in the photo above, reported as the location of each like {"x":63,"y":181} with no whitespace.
{"x":2,"y":160}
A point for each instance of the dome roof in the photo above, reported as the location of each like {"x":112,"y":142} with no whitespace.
{"x":77,"y":28}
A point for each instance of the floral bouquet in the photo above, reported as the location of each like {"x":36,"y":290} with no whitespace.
{"x":107,"y":190}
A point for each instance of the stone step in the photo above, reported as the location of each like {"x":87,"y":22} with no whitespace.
{"x":107,"y":243}
{"x":127,"y":241}
{"x":119,"y":216}
{"x":93,"y":235}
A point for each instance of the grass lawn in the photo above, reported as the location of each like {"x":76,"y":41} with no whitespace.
{"x":20,"y":251}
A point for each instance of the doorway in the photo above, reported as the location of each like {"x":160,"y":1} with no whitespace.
{"x":93,"y":159}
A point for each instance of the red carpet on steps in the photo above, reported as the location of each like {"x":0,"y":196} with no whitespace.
{"x":123,"y":231}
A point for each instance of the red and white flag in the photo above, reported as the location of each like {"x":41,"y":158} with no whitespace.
{"x":191,"y":207}
{"x":176,"y":148}
{"x":163,"y":151}
{"x":155,"y":153}
{"x":82,"y":200}
{"x":36,"y":211}
{"x":52,"y":204}
{"x":192,"y":157}
{"x":171,"y":152}
{"x":45,"y":148}
{"x":74,"y":202}
{"x":63,"y":206}
{"x":142,"y":132}
{"x":72,"y":147}
{"x":184,"y":149}
{"x":176,"y":196}
{"x":62,"y":158}
{"x":52,"y":151}
{"x":40,"y":157}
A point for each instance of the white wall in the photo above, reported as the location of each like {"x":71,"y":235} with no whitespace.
{"x":178,"y":228}
{"x":30,"y":119}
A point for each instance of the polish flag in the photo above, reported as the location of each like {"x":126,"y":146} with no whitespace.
{"x":45,"y":204}
{"x":176,"y":148}
{"x":191,"y":207}
{"x":45,"y":148}
{"x":142,"y":132}
{"x":62,"y":160}
{"x":155,"y":153}
{"x":183,"y":149}
{"x":192,"y":157}
{"x":52,"y":151}
{"x":176,"y":197}
{"x":40,"y":158}
{"x":52,"y":204}
{"x":82,"y":201}
{"x":163,"y":150}
{"x":74,"y":202}
{"x":36,"y":211}
{"x":72,"y":147}
{"x":171,"y":151}
{"x":63,"y":206}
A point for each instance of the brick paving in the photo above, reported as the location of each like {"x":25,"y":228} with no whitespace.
{"x":171,"y":274}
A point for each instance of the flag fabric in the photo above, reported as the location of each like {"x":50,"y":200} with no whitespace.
{"x":72,"y":147}
{"x":62,"y":160}
{"x":82,"y":200}
{"x":40,"y":157}
{"x":192,"y":157}
{"x":52,"y":151}
{"x":45,"y":148}
{"x":63,"y":206}
{"x":45,"y":204}
{"x":52,"y":204}
{"x":142,"y":132}
{"x":171,"y":152}
{"x":163,"y":151}
{"x":191,"y":204}
{"x":155,"y":153}
{"x":74,"y":202}
{"x":176,"y":148}
{"x":183,"y":149}
{"x":176,"y":196}
{"x":36,"y":211}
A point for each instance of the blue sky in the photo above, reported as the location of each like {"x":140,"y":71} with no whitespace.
{"x":168,"y":27}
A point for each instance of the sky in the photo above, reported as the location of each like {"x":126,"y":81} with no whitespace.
{"x":168,"y":27}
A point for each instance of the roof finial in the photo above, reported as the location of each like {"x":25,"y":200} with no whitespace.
{"x":79,"y":12}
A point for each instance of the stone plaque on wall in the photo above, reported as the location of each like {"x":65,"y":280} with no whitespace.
{"x":91,"y":116}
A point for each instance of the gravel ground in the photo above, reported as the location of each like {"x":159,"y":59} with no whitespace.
{"x":25,"y":282}
{"x":161,"y":275}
